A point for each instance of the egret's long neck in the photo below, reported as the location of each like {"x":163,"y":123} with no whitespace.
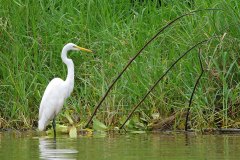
{"x":70,"y":66}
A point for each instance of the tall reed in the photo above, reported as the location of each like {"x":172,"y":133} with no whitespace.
{"x":32,"y":34}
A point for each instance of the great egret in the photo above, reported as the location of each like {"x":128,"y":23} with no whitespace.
{"x":57,"y":91}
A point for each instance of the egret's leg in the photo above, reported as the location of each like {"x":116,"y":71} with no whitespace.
{"x":54,"y":128}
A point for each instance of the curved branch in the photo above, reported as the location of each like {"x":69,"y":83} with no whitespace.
{"x":155,"y":84}
{"x":195,"y":86}
{"x":138,"y":53}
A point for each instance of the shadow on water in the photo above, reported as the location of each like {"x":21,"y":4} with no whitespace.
{"x":48,"y":149}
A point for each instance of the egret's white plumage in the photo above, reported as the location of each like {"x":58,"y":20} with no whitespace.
{"x":57,"y":90}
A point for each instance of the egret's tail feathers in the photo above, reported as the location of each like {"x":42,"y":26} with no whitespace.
{"x":41,"y":125}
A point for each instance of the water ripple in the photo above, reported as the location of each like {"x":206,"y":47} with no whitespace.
{"x":50,"y":150}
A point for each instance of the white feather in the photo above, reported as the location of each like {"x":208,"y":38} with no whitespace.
{"x":57,"y":90}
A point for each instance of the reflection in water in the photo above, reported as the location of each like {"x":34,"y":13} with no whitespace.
{"x":49,"y":149}
{"x":150,"y":146}
{"x":187,"y":140}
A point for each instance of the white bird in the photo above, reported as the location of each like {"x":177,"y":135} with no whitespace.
{"x":57,"y":91}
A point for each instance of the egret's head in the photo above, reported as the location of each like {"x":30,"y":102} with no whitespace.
{"x":74,"y":47}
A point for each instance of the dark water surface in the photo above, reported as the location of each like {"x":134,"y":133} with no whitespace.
{"x":121,"y":147}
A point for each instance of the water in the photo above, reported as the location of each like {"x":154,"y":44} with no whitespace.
{"x":121,"y":147}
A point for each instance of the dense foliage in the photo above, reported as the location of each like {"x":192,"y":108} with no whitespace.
{"x":32,"y":34}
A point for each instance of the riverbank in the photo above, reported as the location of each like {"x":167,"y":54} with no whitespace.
{"x":32,"y":35}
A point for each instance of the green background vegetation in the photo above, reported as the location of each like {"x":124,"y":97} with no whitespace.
{"x":32,"y":34}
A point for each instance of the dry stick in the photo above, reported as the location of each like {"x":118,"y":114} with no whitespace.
{"x":138,"y":53}
{"x":155,"y":84}
{"x":195,"y":86}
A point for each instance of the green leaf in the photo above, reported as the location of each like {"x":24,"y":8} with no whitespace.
{"x":60,"y":129}
{"x":99,"y":126}
{"x":73,"y":132}
{"x":66,"y":114}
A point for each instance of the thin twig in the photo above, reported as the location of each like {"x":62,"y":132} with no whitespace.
{"x":155,"y":84}
{"x":195,"y":86}
{"x":138,"y":53}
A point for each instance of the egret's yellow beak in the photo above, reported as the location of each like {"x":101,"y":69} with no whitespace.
{"x":83,"y":49}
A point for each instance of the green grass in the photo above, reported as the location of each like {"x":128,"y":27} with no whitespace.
{"x":32,"y":34}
